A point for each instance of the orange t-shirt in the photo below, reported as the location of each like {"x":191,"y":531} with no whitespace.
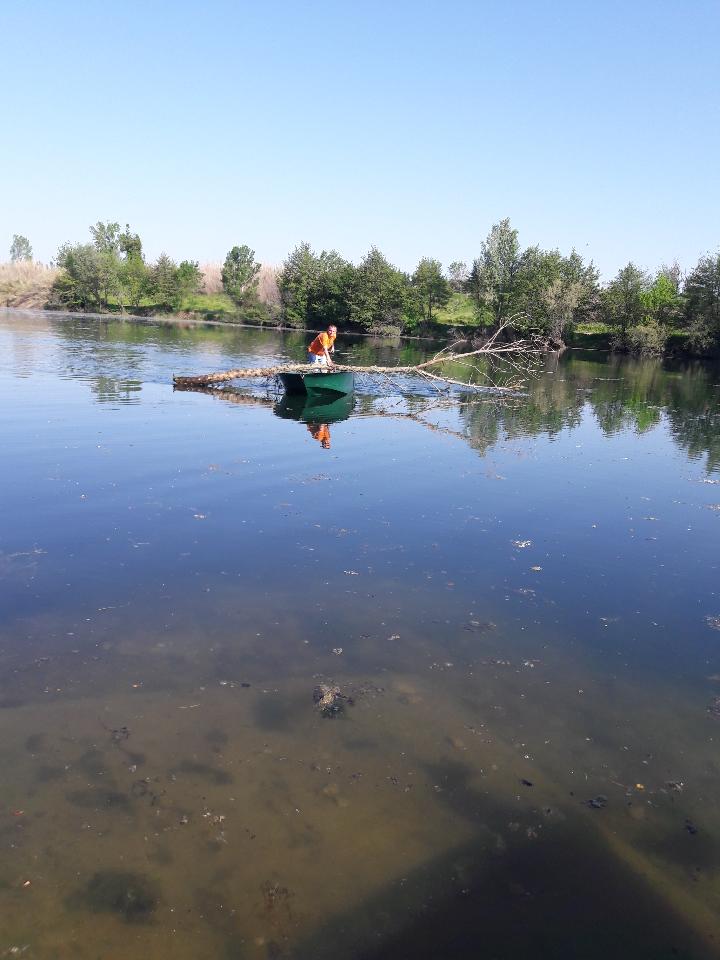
{"x":322,"y":342}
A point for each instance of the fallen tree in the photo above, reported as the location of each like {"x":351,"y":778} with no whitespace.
{"x":514,"y":355}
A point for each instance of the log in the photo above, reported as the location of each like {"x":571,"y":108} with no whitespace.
{"x":493,"y":348}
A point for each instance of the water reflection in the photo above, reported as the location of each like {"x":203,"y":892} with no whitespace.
{"x":518,"y":597}
{"x":620,"y":394}
{"x":314,"y":409}
{"x":117,"y":357}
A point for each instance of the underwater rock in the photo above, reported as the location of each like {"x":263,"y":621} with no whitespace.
{"x":329,"y":700}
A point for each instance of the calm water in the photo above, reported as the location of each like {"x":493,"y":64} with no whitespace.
{"x":521,"y":599}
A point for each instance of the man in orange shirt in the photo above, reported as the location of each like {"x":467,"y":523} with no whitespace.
{"x":322,"y":346}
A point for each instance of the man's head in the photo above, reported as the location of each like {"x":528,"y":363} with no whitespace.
{"x":332,"y":330}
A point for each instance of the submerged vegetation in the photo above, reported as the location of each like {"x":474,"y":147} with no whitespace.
{"x":541,"y":292}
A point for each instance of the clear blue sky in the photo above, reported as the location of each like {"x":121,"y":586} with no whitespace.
{"x":410,"y":125}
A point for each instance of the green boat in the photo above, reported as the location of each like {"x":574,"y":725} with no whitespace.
{"x":325,"y":408}
{"x":319,"y":382}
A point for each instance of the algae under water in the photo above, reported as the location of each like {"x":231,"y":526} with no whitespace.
{"x":518,"y":603}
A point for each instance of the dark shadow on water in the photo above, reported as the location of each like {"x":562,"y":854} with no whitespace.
{"x":94,"y":798}
{"x":132,"y":897}
{"x":525,"y":887}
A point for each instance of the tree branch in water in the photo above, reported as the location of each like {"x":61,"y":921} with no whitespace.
{"x":515,"y":354}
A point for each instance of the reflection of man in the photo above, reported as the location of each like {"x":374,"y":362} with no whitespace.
{"x":322,"y":346}
{"x":320,"y":432}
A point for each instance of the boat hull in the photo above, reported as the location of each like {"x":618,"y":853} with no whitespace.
{"x":318,"y":383}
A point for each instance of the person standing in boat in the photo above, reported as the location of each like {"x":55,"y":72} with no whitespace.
{"x":322,"y":346}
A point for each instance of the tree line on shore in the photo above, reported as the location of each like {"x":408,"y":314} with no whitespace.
{"x":530,"y":290}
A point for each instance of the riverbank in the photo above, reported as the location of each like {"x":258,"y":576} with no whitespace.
{"x":218,"y":310}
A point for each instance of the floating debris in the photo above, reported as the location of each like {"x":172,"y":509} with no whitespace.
{"x":713,"y":622}
{"x":691,"y":828}
{"x":481,"y":626}
{"x":598,"y":802}
{"x":521,"y":544}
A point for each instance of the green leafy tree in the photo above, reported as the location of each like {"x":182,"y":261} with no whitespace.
{"x":674,"y":273}
{"x":553,"y":292}
{"x":134,"y":277}
{"x":130,"y":244}
{"x":20,"y":248}
{"x":134,"y":280}
{"x":379,"y":294}
{"x":702,"y":296}
{"x":623,"y":303}
{"x":329,"y":302}
{"x":79,"y":284}
{"x":315,"y":290}
{"x":430,"y":287}
{"x":165,"y":286}
{"x":189,"y":278}
{"x":495,"y":275}
{"x":459,"y":275}
{"x":239,"y":274}
{"x":298,"y":284}
{"x":662,"y":301}
{"x":106,"y":237}
{"x":109,"y":271}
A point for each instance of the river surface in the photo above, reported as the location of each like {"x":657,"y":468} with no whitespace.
{"x":520,"y":600}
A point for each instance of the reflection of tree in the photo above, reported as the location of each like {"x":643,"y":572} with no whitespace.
{"x":623,"y":394}
{"x":553,"y":404}
{"x":683,"y":395}
{"x":107,"y":390}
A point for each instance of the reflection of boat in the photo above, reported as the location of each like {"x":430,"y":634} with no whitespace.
{"x":318,"y":382}
{"x":327,"y":408}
